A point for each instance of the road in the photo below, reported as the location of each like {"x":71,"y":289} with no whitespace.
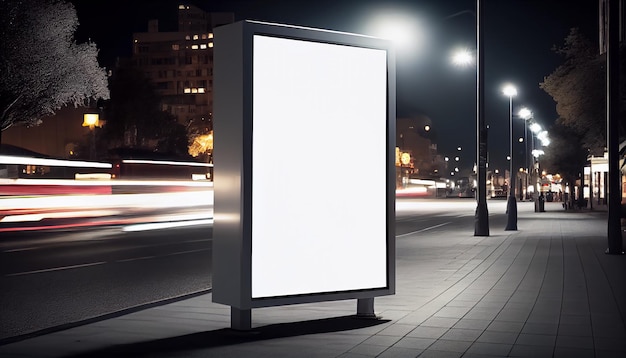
{"x":58,"y":277}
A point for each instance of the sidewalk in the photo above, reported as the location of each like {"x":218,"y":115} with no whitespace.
{"x":546,"y":290}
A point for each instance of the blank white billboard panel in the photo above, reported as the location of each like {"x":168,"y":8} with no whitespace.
{"x":319,"y":162}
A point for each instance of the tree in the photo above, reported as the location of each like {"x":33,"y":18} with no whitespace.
{"x":42,"y":68}
{"x":202,"y":147}
{"x":578,"y":87}
{"x":134,"y":117}
{"x":566,"y":155}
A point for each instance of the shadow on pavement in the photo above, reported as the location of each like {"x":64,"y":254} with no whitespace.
{"x":227,"y":336}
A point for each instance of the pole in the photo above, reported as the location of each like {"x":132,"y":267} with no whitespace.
{"x":526,"y":157}
{"x":92,"y":154}
{"x":481,"y":217}
{"x":511,"y":205}
{"x":612,"y":112}
{"x":533,"y":178}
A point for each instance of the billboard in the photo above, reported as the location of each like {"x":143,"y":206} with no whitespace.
{"x":304,"y":123}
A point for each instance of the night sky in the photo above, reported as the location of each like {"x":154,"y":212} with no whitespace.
{"x":519,"y":36}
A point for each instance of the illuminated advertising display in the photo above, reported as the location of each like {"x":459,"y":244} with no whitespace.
{"x":304,"y":123}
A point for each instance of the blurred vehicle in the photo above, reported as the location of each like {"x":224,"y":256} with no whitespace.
{"x":130,"y":163}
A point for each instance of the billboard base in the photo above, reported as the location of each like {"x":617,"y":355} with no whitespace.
{"x":365,"y":308}
{"x":241,"y":319}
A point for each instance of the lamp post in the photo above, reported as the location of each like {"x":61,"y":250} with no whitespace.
{"x":481,"y":217}
{"x":481,"y":222}
{"x":92,"y":120}
{"x":526,"y":114}
{"x":511,"y":223}
{"x":534,"y":128}
{"x":463,"y":58}
{"x":613,"y":118}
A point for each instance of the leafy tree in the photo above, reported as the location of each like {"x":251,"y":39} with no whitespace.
{"x":42,"y":68}
{"x":578,"y":87}
{"x":134,"y":117}
{"x":566,"y":155}
{"x":202,"y":147}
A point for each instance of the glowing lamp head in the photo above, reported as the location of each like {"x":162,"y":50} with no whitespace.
{"x":509,"y":91}
{"x":462,"y":58}
{"x":525,"y":113}
{"x":535,"y":128}
{"x":405,"y":158}
{"x":543,"y":137}
{"x":91,"y":120}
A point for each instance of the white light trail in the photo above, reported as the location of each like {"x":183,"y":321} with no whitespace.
{"x":153,"y":200}
{"x":58,"y":215}
{"x":116,"y":182}
{"x":10,"y":159}
{"x":166,"y":225}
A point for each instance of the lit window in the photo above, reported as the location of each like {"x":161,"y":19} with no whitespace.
{"x":194,"y":90}
{"x":194,"y":47}
{"x":203,"y":47}
{"x":195,"y":37}
{"x":201,"y":90}
{"x":210,"y":44}
{"x":210,"y":35}
{"x":187,"y":90}
{"x":204,"y":36}
{"x":187,"y":37}
{"x":175,"y":47}
{"x":136,"y":40}
{"x":181,"y":7}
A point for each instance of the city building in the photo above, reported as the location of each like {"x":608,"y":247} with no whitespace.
{"x":180,"y":64}
{"x":415,"y":140}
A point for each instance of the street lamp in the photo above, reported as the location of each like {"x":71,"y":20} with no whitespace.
{"x":92,"y":120}
{"x":511,"y":223}
{"x":526,"y":114}
{"x":535,"y":128}
{"x":462,"y":58}
{"x":408,"y":27}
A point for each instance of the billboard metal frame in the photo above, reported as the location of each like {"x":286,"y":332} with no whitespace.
{"x":233,"y":113}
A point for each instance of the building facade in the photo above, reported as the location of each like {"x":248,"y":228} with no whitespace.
{"x":180,"y":64}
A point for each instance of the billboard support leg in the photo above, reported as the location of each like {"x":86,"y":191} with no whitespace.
{"x":365,"y":308}
{"x":240,"y":320}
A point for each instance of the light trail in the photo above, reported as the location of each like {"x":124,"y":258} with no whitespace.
{"x":11,"y":159}
{"x":107,"y":182}
{"x":85,"y":202}
{"x":166,"y":225}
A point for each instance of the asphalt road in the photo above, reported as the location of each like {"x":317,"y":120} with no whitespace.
{"x":59,"y":278}
{"x":64,"y":277}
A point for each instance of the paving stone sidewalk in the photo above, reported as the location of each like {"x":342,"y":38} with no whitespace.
{"x":546,"y":290}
